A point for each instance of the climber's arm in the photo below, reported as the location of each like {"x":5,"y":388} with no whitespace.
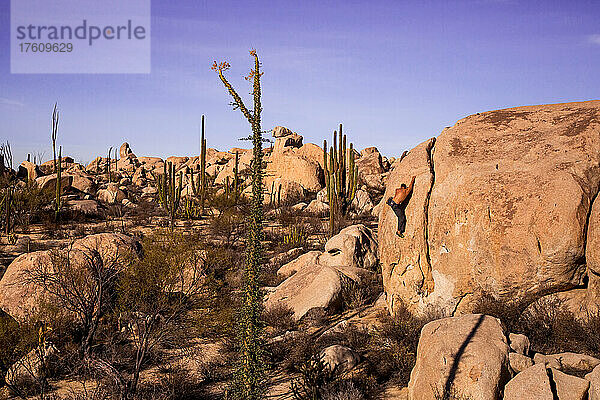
{"x":412,"y":183}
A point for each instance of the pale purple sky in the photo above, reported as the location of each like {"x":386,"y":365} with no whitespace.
{"x":394,"y":72}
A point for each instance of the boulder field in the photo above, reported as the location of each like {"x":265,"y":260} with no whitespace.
{"x":504,"y":204}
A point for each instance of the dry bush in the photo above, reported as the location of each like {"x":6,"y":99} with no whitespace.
{"x":229,"y":227}
{"x":281,"y":318}
{"x":143,"y":213}
{"x":392,"y":351}
{"x":216,"y":304}
{"x":287,"y":216}
{"x":358,"y":339}
{"x":293,"y":351}
{"x":509,"y":313}
{"x":345,"y":389}
{"x":357,"y":294}
{"x":29,"y":205}
{"x":15,"y":342}
{"x":177,"y":384}
{"x":549,"y":325}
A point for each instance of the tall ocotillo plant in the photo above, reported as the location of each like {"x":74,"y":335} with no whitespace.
{"x":250,"y":374}
{"x":169,"y":191}
{"x":54,"y":134}
{"x":57,"y":166}
{"x":341,"y":176}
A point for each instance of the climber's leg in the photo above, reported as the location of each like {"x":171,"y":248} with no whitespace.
{"x":399,"y":211}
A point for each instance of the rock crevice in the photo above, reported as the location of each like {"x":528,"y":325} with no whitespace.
{"x":429,"y":283}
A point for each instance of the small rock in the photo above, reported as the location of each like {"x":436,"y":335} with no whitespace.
{"x":533,"y":383}
{"x":519,"y":343}
{"x":316,"y":207}
{"x":86,"y":207}
{"x":568,"y":361}
{"x":339,"y":357}
{"x":281,"y":131}
{"x":299,"y":207}
{"x":519,"y":362}
{"x":569,"y":387}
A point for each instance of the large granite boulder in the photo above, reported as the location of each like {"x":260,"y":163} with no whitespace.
{"x":290,"y":166}
{"x":466,"y":356}
{"x":501,"y":205}
{"x":28,"y":171}
{"x":317,"y":280}
{"x":20,"y":297}
{"x":48,"y":182}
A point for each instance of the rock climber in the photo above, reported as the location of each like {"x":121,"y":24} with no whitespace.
{"x":398,"y":205}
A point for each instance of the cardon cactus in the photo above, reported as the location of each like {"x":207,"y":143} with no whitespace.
{"x":57,"y":200}
{"x":341,"y":177}
{"x":199,"y":185}
{"x":169,"y":191}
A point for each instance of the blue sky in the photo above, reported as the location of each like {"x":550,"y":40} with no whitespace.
{"x":394,"y":72}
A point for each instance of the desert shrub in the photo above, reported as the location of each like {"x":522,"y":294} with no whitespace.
{"x":155,"y":294}
{"x":315,"y":317}
{"x":357,"y":338}
{"x":143,"y":213}
{"x":176,"y":384}
{"x":215,"y":371}
{"x":216,"y":304}
{"x":280,"y":318}
{"x":316,"y":378}
{"x":357,"y":294}
{"x":14,"y":344}
{"x":550,"y":326}
{"x":29,"y":205}
{"x":287,"y":216}
{"x":392,"y":352}
{"x":509,"y":313}
{"x":228,"y":227}
{"x":344,"y":389}
{"x":293,"y":351}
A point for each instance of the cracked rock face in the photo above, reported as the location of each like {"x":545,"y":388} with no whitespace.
{"x":502,"y":204}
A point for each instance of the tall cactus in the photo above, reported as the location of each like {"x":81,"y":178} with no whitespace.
{"x":108,"y":164}
{"x":199,"y":186}
{"x":57,"y":200}
{"x":202,"y":168}
{"x":236,"y":179}
{"x":341,"y":176}
{"x":7,"y":198}
{"x":169,"y":191}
